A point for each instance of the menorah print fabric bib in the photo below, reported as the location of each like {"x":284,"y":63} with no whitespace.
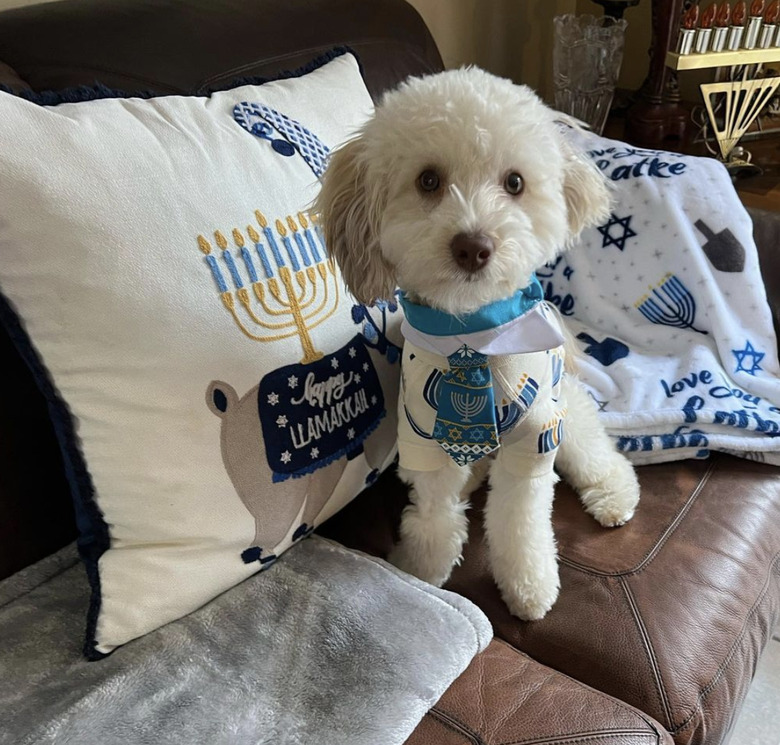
{"x":459,"y":402}
{"x":162,"y":273}
{"x":528,"y":411}
{"x":667,"y":302}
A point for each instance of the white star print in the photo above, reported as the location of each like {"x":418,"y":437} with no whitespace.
{"x":365,"y":367}
{"x":352,"y":352}
{"x":351,"y":433}
{"x":281,"y":420}
{"x":334,"y":363}
{"x":373,"y":399}
{"x":315,"y":452}
{"x":286,"y":457}
{"x":273,"y":399}
{"x":292,"y":381}
{"x":357,"y":377}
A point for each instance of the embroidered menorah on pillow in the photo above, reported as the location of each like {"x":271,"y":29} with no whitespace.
{"x":296,"y":289}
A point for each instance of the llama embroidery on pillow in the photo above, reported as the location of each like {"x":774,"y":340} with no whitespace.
{"x":310,"y":416}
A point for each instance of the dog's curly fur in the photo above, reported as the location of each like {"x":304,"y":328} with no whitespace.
{"x":473,"y":129}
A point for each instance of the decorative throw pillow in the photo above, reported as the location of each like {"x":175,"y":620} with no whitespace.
{"x":216,"y":391}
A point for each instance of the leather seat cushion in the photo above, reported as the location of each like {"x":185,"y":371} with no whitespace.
{"x":506,"y":697}
{"x":669,"y":613}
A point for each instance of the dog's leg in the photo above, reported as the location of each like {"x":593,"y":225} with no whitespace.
{"x":518,"y":525}
{"x":587,"y":459}
{"x":434,"y":525}
{"x":479,"y":472}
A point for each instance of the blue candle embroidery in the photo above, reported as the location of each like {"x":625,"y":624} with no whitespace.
{"x":309,"y":238}
{"x":205,"y":247}
{"x":298,"y":240}
{"x":269,"y":236}
{"x":227,"y":257}
{"x":288,"y":245}
{"x":254,"y":236}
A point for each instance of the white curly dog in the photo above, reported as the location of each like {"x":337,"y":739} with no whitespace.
{"x":457,"y":190}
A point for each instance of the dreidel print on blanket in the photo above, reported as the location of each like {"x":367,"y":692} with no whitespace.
{"x":459,"y":188}
{"x":723,"y":250}
{"x":304,"y":422}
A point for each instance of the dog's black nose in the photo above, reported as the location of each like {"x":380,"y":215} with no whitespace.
{"x":472,"y":251}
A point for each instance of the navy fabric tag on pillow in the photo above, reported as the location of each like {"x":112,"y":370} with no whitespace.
{"x":314,"y":413}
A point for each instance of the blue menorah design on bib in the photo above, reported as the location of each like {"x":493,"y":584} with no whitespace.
{"x":670,"y":303}
{"x":261,"y":120}
{"x":507,"y":413}
{"x":468,"y":405}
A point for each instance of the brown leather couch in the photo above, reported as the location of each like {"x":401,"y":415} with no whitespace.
{"x":659,"y":625}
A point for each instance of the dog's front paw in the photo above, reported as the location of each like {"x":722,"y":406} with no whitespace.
{"x":613,"y":500}
{"x":426,"y":563}
{"x":529,"y":586}
{"x":531,"y":603}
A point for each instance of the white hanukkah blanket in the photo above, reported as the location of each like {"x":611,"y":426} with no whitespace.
{"x":668,"y":305}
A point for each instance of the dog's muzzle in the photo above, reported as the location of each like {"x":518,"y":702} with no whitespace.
{"x":472,"y":251}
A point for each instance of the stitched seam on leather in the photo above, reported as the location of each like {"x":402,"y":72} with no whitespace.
{"x":584,"y":737}
{"x":451,"y":723}
{"x":656,"y":547}
{"x":648,"y":645}
{"x":710,"y":687}
{"x":610,"y":699}
{"x":458,"y":727}
{"x":236,"y":71}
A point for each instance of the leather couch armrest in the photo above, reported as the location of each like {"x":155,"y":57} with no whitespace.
{"x":766,"y":231}
{"x":10,"y":78}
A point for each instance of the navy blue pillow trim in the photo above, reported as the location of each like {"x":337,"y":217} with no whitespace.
{"x":99,"y":91}
{"x":75,"y":95}
{"x":94,"y":538}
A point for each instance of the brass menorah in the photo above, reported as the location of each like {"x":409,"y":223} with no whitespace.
{"x":742,"y":90}
{"x":300,"y":283}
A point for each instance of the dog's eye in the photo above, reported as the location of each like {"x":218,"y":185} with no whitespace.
{"x":513,"y":183}
{"x":429,"y":180}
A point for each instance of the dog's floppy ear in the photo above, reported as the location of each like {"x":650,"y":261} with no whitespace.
{"x":585,"y":191}
{"x":350,"y":206}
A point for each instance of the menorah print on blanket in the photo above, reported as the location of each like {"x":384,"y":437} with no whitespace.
{"x":670,"y":304}
{"x":300,"y":286}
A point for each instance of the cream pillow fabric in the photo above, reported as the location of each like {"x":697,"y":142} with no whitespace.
{"x":226,"y":394}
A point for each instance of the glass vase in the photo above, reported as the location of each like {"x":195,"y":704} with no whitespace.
{"x":587,"y":55}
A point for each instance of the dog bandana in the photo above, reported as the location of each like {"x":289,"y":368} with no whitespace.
{"x":515,"y":325}
{"x":466,"y":425}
